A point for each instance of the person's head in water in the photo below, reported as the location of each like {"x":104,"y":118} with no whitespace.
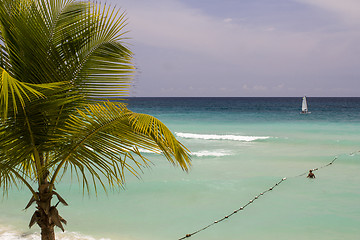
{"x":311,"y":175}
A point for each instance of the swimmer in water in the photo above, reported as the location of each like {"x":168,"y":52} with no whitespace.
{"x":311,"y":175}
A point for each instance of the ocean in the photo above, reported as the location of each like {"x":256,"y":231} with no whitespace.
{"x":241,"y":148}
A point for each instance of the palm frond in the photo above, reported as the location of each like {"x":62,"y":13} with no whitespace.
{"x":103,"y":136}
{"x":56,"y":57}
{"x":14,"y":93}
{"x":151,"y":127}
{"x":105,"y":68}
{"x":26,"y":39}
{"x":11,"y":176}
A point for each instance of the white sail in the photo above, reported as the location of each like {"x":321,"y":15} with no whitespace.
{"x":304,"y":107}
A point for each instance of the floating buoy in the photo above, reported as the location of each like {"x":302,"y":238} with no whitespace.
{"x":251,"y":201}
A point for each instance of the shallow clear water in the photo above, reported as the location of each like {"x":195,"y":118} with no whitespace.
{"x":241,"y":147}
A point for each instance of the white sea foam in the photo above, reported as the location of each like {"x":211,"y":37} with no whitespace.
{"x":220,"y":137}
{"x":148,"y":151}
{"x":203,"y":153}
{"x":216,"y":153}
{"x":9,"y":233}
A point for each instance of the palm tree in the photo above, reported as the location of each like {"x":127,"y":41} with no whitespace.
{"x":60,"y":62}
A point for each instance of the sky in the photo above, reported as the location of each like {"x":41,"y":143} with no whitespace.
{"x":244,"y":48}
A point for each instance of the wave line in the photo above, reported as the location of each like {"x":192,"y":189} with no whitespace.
{"x":221,"y":137}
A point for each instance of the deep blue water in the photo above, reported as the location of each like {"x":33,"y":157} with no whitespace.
{"x":331,"y":109}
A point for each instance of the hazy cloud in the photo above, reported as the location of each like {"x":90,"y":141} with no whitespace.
{"x":178,"y":46}
{"x":227,"y":20}
{"x":347,"y":10}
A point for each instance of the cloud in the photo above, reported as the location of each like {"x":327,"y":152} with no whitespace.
{"x":279,"y":87}
{"x":187,"y":46}
{"x":169,"y":24}
{"x":255,"y":88}
{"x":346,"y":10}
{"x":270,"y":29}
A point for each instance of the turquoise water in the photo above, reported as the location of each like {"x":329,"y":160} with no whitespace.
{"x":241,"y":147}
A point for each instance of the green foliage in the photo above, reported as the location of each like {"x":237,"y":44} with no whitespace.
{"x":60,"y":60}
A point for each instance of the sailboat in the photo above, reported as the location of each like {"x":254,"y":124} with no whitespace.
{"x":304,"y":108}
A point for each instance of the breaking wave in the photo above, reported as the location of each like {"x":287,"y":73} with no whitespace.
{"x":216,"y":153}
{"x":202,"y":153}
{"x":9,"y":233}
{"x":148,"y":151}
{"x":221,"y":137}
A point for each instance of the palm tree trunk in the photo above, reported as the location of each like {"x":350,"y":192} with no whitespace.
{"x":44,"y":217}
{"x":47,"y":232}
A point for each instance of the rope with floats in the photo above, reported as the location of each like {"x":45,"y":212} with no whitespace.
{"x":256,"y":198}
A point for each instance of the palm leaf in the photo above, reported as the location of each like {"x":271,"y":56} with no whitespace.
{"x":102,"y":137}
{"x":151,"y":127}
{"x":14,"y":93}
{"x":58,"y":60}
{"x":105,"y":67}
